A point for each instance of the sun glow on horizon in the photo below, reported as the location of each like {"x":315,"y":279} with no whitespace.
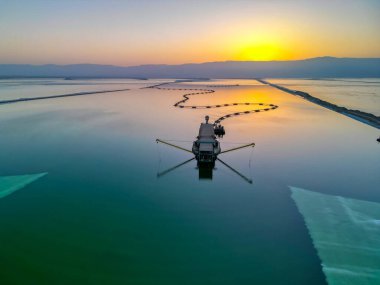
{"x":262,"y":52}
{"x":262,"y":48}
{"x":268,"y":42}
{"x":171,"y":32}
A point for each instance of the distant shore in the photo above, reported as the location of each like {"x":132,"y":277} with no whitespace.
{"x":367,"y":118}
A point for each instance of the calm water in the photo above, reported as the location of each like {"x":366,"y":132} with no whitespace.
{"x":358,"y":94}
{"x":101,"y":215}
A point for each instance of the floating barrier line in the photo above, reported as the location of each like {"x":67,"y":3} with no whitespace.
{"x":224,"y":86}
{"x":180,"y":104}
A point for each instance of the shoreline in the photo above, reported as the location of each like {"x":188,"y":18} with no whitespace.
{"x":367,"y":118}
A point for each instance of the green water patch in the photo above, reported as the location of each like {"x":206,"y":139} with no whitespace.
{"x":346,"y":234}
{"x":10,"y":184}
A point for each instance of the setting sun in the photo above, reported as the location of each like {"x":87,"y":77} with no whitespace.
{"x":264,"y":51}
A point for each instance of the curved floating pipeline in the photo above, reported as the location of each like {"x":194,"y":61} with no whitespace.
{"x":180,"y":104}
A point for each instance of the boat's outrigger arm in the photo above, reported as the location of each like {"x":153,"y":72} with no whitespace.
{"x":235,"y":171}
{"x":239,"y":147}
{"x":160,"y":174}
{"x":173,"y":145}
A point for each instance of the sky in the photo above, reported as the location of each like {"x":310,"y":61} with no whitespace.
{"x":138,"y":32}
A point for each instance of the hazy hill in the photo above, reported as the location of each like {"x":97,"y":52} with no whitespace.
{"x":314,"y":67}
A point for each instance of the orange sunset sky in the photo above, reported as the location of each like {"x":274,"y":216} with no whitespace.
{"x":173,"y":32}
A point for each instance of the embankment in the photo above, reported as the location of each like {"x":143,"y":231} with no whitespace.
{"x":58,"y":96}
{"x":361,"y":116}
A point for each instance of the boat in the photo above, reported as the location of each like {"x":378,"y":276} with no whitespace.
{"x":206,"y":148}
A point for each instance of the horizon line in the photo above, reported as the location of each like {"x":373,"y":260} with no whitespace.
{"x":189,"y":63}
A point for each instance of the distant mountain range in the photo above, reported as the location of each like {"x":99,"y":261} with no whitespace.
{"x":320,"y":67}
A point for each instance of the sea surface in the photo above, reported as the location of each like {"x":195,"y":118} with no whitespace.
{"x":101,"y":210}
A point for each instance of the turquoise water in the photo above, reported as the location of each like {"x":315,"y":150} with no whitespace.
{"x":357,"y":94}
{"x":101,"y":215}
